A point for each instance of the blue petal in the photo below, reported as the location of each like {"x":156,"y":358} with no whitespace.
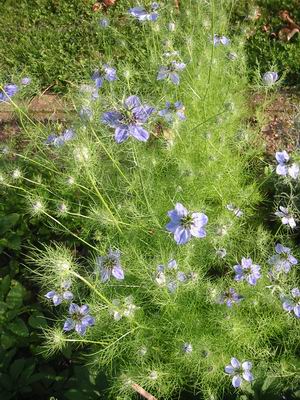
{"x":121,"y":133}
{"x":69,"y":324}
{"x":118,"y":272}
{"x":182,"y":235}
{"x":139,"y":133}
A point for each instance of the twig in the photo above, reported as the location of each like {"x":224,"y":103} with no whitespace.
{"x":177,"y":3}
{"x":142,"y":392}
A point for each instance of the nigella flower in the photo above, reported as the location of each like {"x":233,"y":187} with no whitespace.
{"x":9,"y":91}
{"x":292,"y":304}
{"x":63,"y":294}
{"x":169,"y":277}
{"x":141,"y":14}
{"x":60,"y":140}
{"x":26,"y":81}
{"x":187,"y":348}
{"x":106,"y":73}
{"x":230,"y":297}
{"x":248,"y":271}
{"x":239,"y":372}
{"x":170,"y":72}
{"x":168,"y":112}
{"x":110,"y":265}
{"x":221,"y":253}
{"x":104,"y":22}
{"x":286,"y":217}
{"x":220,"y":40}
{"x":128,"y":122}
{"x":269,"y":78}
{"x":282,"y":168}
{"x":124,"y":308}
{"x":80,"y":319}
{"x":232,"y":56}
{"x":236,"y":211}
{"x":283,"y":260}
{"x":185,"y":224}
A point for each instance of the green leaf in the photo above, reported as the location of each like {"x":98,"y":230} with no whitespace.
{"x":7,"y":340}
{"x":19,"y":328}
{"x":37,"y":321}
{"x":15,"y":296}
{"x":13,"y":241}
{"x":16,"y":368}
{"x":7,"y":222}
{"x":5,"y":286}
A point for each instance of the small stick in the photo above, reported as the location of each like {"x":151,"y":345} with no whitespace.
{"x":142,"y":392}
{"x":177,"y":4}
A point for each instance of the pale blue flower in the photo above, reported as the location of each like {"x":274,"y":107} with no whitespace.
{"x":110,"y":265}
{"x":239,"y":372}
{"x":142,"y":15}
{"x":185,"y":224}
{"x":230,"y":297}
{"x":173,"y":109}
{"x":171,"y":72}
{"x":283,"y":260}
{"x":247,"y":271}
{"x":292,"y":303}
{"x":286,"y":217}
{"x":80,"y":319}
{"x":269,"y":78}
{"x":63,"y":294}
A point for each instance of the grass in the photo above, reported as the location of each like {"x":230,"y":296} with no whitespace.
{"x":119,"y":197}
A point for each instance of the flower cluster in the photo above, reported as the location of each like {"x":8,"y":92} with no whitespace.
{"x":63,"y":294}
{"x":239,"y":372}
{"x":185,"y":224}
{"x":283,"y":260}
{"x":247,"y":271}
{"x":79,"y":319}
{"x":292,"y":303}
{"x":129,"y":120}
{"x":60,"y":140}
{"x":110,"y":265}
{"x":283,"y":169}
{"x":142,"y":15}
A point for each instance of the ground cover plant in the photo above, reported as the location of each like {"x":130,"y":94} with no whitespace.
{"x":159,"y":270}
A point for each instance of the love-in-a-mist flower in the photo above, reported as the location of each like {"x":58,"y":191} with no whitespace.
{"x":171,"y":110}
{"x":58,"y":296}
{"x":235,"y":210}
{"x":85,"y":113}
{"x":123,"y":308}
{"x":286,"y":217}
{"x":187,"y":348}
{"x":129,"y":120}
{"x":185,"y":224}
{"x":142,"y":14}
{"x":26,"y":81}
{"x":217,"y":40}
{"x":269,"y":78}
{"x":60,"y":140}
{"x":79,"y":319}
{"x":239,"y":372}
{"x":9,"y":91}
{"x":110,"y":265}
{"x":106,"y":72}
{"x":247,"y":271}
{"x":283,"y":168}
{"x":230,"y":297}
{"x":283,"y":260}
{"x":171,"y":72}
{"x":292,"y":303}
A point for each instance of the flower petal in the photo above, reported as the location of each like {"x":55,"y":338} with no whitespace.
{"x":139,"y":133}
{"x":69,"y":324}
{"x":118,"y":272}
{"x":121,"y":133}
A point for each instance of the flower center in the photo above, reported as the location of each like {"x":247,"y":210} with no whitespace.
{"x":187,"y":221}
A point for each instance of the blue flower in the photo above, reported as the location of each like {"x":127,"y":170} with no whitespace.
{"x":283,"y":169}
{"x":236,"y":211}
{"x":292,"y":303}
{"x":185,"y":224}
{"x":170,"y":72}
{"x":168,"y":112}
{"x":26,"y":81}
{"x":104,"y":22}
{"x":283,"y":260}
{"x":110,"y":265}
{"x":80,"y":319}
{"x":247,"y":271}
{"x":60,"y":140}
{"x":9,"y":91}
{"x":142,"y":15}
{"x":269,"y":78}
{"x":220,"y":40}
{"x":129,"y":121}
{"x":106,"y":73}
{"x":169,"y":277}
{"x":239,"y":372}
{"x":63,"y":294}
{"x":230,"y":297}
